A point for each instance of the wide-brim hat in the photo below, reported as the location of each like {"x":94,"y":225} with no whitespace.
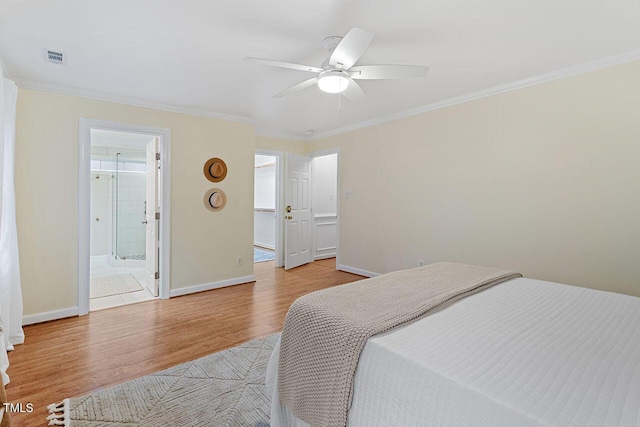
{"x":215,"y":199}
{"x":215,"y":169}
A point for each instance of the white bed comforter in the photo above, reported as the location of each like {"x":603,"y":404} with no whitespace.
{"x":522,"y":353}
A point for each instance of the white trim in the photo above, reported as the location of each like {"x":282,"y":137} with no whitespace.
{"x":357,"y":271}
{"x":84,"y":208}
{"x":325,"y":152}
{"x":324,"y":216}
{"x":320,"y":224}
{"x":279,"y":155}
{"x":213,"y":285}
{"x":495,"y":90}
{"x":49,"y":315}
{"x":585,"y":67}
{"x":128,"y":100}
{"x":327,"y":256}
{"x":5,"y":71}
{"x":84,"y":142}
{"x":264,"y":246}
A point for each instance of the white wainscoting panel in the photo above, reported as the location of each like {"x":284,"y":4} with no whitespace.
{"x":325,"y":236}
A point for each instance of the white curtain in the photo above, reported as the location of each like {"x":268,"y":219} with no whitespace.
{"x":10,"y":293}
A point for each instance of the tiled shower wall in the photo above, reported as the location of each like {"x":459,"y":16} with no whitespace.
{"x":131,"y":212}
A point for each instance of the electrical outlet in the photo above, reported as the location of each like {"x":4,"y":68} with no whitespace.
{"x":421,"y":262}
{"x":348,"y":195}
{"x":239,"y":261}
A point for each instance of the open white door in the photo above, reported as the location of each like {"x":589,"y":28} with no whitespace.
{"x":297,"y":231}
{"x":152,"y":219}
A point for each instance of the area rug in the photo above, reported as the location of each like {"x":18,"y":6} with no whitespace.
{"x":222,"y":389}
{"x":114,"y":285}
{"x":260,"y":255}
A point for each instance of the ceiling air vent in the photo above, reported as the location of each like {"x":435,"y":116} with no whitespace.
{"x":55,"y":57}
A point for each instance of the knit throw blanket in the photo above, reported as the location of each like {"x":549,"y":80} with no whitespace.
{"x":325,"y":331}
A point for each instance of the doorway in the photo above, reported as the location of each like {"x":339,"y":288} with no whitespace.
{"x":123,"y":250}
{"x":325,"y":205}
{"x":264,"y":208}
{"x":308,"y":187}
{"x":123,"y":229}
{"x":312,"y":205}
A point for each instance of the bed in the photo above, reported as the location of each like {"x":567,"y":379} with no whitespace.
{"x":521,"y":353}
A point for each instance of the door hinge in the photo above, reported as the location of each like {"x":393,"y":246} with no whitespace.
{"x":157,"y":156}
{"x":157,"y":215}
{"x":157,"y":276}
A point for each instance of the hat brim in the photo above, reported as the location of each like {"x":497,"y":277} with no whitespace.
{"x":215,"y":200}
{"x":215,"y":169}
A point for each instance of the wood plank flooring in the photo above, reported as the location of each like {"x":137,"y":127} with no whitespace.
{"x":75,"y":356}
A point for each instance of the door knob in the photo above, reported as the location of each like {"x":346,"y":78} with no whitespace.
{"x":144,"y":222}
{"x":289,"y":217}
{"x":289,"y":208}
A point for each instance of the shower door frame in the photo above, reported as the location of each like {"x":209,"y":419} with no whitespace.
{"x":164,"y":147}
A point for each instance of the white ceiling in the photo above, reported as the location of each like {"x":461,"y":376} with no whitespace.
{"x":186,"y":55}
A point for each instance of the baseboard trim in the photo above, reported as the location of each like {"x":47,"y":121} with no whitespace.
{"x":357,"y":271}
{"x":50,"y":315}
{"x":209,"y":286}
{"x":264,"y":246}
{"x":325,"y":256}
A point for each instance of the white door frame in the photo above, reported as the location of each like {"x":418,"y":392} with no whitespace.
{"x":320,"y":153}
{"x":279,"y":155}
{"x":84,"y":175}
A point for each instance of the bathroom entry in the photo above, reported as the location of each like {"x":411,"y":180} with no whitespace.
{"x":123,"y":223}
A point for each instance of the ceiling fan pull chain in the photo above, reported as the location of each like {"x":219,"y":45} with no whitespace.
{"x":339,"y":102}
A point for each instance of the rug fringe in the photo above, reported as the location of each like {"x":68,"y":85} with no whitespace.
{"x":59,"y":414}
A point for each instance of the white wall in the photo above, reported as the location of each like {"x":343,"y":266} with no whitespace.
{"x":265,"y":187}
{"x":325,"y":184}
{"x":100,"y":216}
{"x":544,"y":180}
{"x":264,"y":226}
{"x":325,"y":210}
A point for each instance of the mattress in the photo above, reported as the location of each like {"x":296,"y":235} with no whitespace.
{"x":522,"y":353}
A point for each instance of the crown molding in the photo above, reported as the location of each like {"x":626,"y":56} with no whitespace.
{"x":449,"y":102}
{"x":136,"y":102}
{"x":496,"y":90}
{"x":4,"y":70}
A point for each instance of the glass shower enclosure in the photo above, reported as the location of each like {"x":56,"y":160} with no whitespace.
{"x":128,"y":208}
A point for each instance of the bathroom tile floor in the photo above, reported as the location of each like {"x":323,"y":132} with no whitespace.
{"x":102,"y":268}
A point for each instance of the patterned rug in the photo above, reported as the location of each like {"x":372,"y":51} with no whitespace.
{"x":222,"y":389}
{"x":261,"y":255}
{"x":113,"y":285}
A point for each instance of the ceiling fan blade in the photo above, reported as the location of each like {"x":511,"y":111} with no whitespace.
{"x":305,"y":84}
{"x":350,"y":48}
{"x":366,"y":72}
{"x":280,"y":64}
{"x":354,"y":92}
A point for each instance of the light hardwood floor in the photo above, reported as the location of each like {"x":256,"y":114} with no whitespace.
{"x":75,"y":356}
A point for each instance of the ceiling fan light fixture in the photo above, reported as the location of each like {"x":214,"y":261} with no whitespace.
{"x":333,"y":81}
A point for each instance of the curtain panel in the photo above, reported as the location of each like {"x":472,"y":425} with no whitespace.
{"x":10,"y":292}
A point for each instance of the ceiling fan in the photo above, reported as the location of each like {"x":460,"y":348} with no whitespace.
{"x":337,"y":74}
